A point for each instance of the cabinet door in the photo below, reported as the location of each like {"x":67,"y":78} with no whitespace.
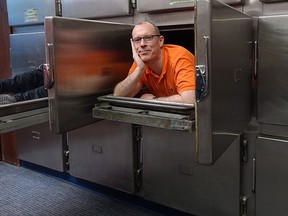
{"x":95,"y":9}
{"x":271,"y":176}
{"x":29,"y":12}
{"x":172,"y":5}
{"x":272,"y":70}
{"x":86,"y":59}
{"x":223,"y":64}
{"x":103,"y":153}
{"x":37,"y":145}
{"x":172,"y":176}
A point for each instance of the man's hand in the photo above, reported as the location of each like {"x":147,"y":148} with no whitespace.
{"x":140,"y":64}
{"x":148,"y":96}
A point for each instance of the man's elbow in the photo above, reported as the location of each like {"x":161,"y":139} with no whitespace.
{"x":188,"y":97}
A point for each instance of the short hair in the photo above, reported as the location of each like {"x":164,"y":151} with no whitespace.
{"x":157,"y":31}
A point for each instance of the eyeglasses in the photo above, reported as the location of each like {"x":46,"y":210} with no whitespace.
{"x":146,"y":38}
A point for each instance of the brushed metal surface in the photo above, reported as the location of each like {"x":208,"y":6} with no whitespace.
{"x":173,"y":5}
{"x":271,"y":176}
{"x":88,"y":59}
{"x":36,"y":144}
{"x":172,"y":176}
{"x":103,"y":153}
{"x":272,"y":70}
{"x":95,"y":9}
{"x":29,"y":12}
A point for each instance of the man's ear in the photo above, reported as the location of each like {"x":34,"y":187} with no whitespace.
{"x":161,"y":39}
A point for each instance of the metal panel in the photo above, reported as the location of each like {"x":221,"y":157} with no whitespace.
{"x":171,"y":18}
{"x":275,"y":8}
{"x":27,"y":51}
{"x":164,"y":5}
{"x":271,"y":176}
{"x":23,"y":114}
{"x":95,"y":9}
{"x":29,"y":12}
{"x":87,"y":59}
{"x":172,"y":176}
{"x":103,"y":153}
{"x":224,"y":43}
{"x":272,"y":70}
{"x":38,"y":145}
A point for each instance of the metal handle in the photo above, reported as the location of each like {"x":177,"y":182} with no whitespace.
{"x":48,"y":69}
{"x":36,"y":135}
{"x":254,"y":175}
{"x":202,"y":75}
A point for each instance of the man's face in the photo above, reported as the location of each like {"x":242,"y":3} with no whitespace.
{"x":147,"y":43}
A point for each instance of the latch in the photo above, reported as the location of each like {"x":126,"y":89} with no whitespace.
{"x":202,"y":74}
{"x":201,"y":82}
{"x":244,"y":150}
{"x":65,"y":148}
{"x":243,"y":205}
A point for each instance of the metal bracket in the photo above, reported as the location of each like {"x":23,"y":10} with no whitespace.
{"x":58,"y":8}
{"x":201,"y":82}
{"x":244,"y":150}
{"x":243,"y":205}
{"x":138,"y":155}
{"x":133,"y":3}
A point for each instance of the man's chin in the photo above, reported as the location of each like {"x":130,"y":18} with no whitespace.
{"x":145,"y":59}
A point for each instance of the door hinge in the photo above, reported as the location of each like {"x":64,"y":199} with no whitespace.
{"x":58,"y":8}
{"x":65,"y":148}
{"x":244,"y":150}
{"x":243,"y":206}
{"x":133,"y":3}
{"x":138,"y":155}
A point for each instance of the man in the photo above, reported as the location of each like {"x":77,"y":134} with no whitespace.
{"x":22,"y":87}
{"x":168,"y":71}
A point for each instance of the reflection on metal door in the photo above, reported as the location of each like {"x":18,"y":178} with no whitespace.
{"x":86,"y":59}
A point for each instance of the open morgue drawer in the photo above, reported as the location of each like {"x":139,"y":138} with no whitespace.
{"x":160,"y":114}
{"x":23,"y":114}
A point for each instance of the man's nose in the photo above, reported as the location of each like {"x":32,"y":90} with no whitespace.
{"x":142,"y":42}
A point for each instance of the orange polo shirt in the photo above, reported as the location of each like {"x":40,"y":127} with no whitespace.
{"x":178,"y":73}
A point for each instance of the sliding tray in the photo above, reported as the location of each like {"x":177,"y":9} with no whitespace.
{"x":23,"y":114}
{"x":160,"y":114}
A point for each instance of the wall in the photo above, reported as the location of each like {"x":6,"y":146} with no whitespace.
{"x":8,"y":146}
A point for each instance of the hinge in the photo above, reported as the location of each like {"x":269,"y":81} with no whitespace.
{"x":244,"y":150}
{"x":133,"y":3}
{"x":65,"y":148}
{"x":138,"y":156}
{"x":58,"y":8}
{"x":243,"y":206}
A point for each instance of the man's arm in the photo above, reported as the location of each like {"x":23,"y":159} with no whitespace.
{"x":130,"y":86}
{"x":183,"y":97}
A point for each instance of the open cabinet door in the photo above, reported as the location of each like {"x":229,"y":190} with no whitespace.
{"x":85,"y":59}
{"x":224,"y":48}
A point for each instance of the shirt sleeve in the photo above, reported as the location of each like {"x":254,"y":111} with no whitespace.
{"x":185,"y":74}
